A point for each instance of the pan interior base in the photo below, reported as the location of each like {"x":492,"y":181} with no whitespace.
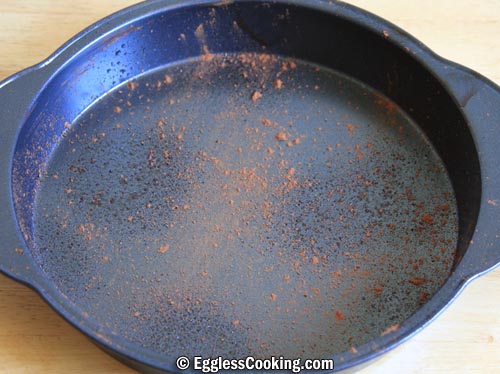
{"x":245,"y":204}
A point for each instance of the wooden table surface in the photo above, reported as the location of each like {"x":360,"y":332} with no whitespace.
{"x":464,"y":339}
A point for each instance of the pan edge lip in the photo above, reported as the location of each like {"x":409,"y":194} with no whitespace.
{"x":424,"y":55}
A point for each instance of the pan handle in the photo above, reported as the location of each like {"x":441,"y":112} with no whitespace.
{"x":16,"y":95}
{"x":479,"y":99}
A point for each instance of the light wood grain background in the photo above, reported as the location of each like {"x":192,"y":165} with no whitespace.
{"x":465,"y":339}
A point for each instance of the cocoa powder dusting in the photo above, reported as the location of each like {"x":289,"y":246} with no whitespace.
{"x":254,"y":198}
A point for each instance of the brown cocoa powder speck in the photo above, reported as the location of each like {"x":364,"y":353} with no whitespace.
{"x":256,"y":95}
{"x":417,"y":281}
{"x":167,"y":79}
{"x":163,"y":248}
{"x":390,"y":329}
{"x":377,"y":290}
{"x":268,"y":123}
{"x":351,"y":128}
{"x":281,"y":136}
{"x":423,"y":296}
{"x":427,"y":218}
{"x":132,"y":85}
{"x":278,"y":84}
{"x":315,"y":290}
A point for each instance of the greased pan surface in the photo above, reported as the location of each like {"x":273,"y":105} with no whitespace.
{"x":251,"y":168}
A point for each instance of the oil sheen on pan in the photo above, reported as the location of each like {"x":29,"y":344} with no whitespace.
{"x":245,"y":204}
